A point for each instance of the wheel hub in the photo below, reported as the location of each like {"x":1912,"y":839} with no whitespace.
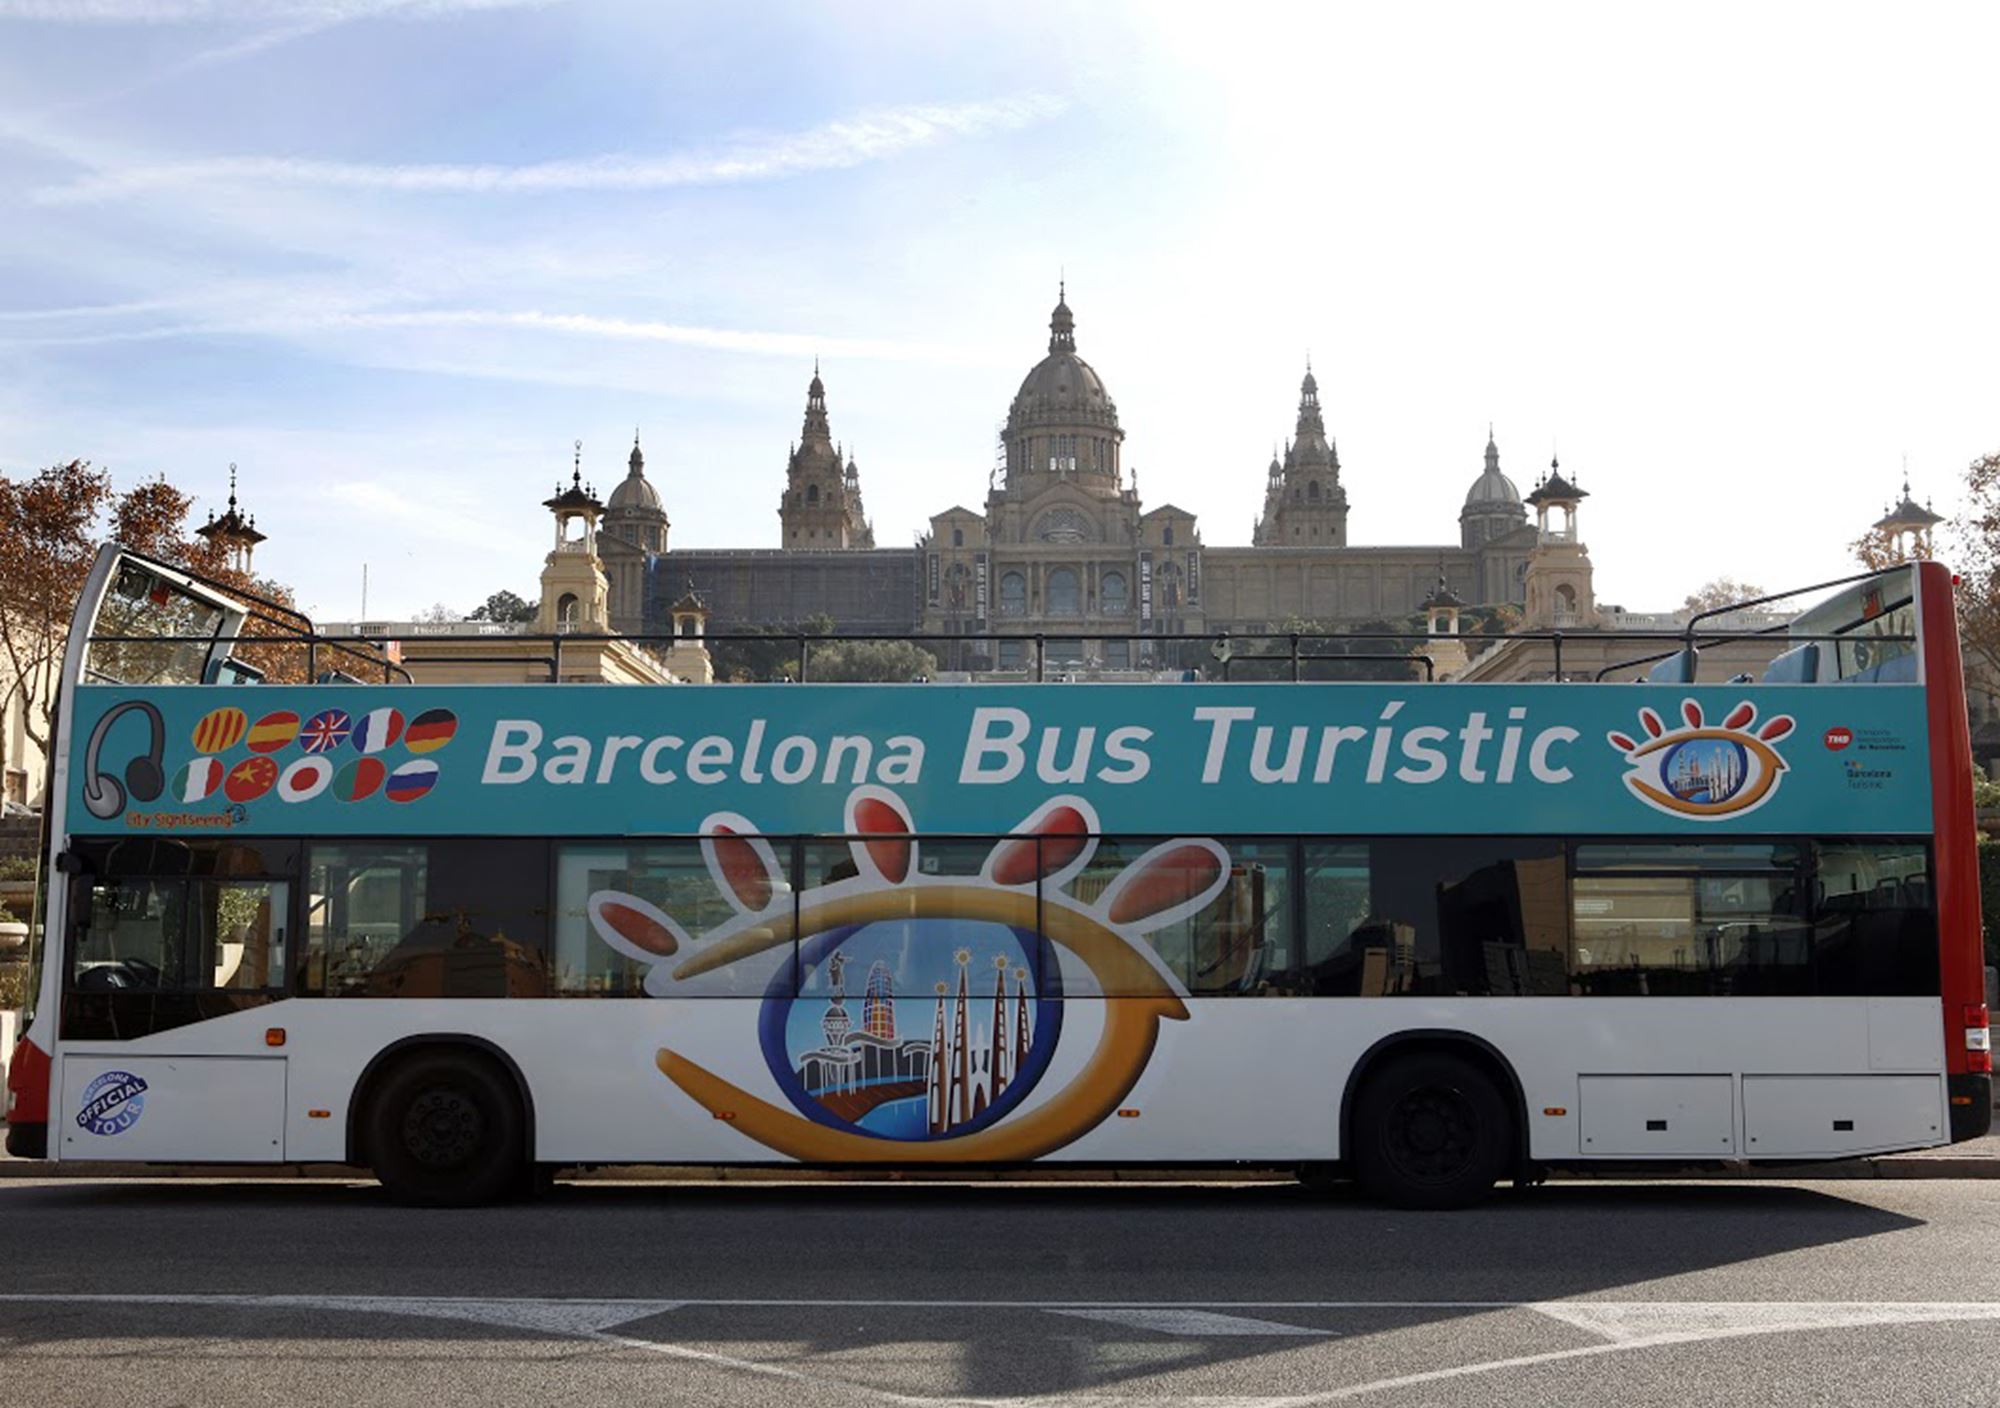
{"x":442,"y":1127}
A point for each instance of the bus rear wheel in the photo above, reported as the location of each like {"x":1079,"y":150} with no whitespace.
{"x":447,"y":1131}
{"x":1430,"y":1131}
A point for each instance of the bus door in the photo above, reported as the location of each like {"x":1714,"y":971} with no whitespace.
{"x":167,"y":1047}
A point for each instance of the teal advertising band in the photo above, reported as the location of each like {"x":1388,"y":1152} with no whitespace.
{"x":1259,"y":758}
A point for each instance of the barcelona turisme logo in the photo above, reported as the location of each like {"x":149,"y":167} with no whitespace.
{"x":1702,"y":771}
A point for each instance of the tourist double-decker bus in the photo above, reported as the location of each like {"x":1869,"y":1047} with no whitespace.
{"x":1429,"y":935}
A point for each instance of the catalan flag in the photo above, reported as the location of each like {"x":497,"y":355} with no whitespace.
{"x":430,"y":730}
{"x":377,"y":730}
{"x":359,"y":779}
{"x":250,"y":779}
{"x":198,"y":780}
{"x":274,"y":731}
{"x":219,"y":730}
{"x":412,"y":780}
{"x":325,"y":731}
{"x":305,"y":779}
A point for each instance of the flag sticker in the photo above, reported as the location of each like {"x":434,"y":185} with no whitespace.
{"x":430,"y":731}
{"x":305,"y":779}
{"x":412,"y":779}
{"x":377,"y":730}
{"x":325,"y":731}
{"x":219,"y":730}
{"x":250,"y":779}
{"x":359,"y":780}
{"x":274,"y":731}
{"x":198,"y":780}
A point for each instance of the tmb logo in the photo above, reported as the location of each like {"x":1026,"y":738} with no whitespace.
{"x":1838,"y":737}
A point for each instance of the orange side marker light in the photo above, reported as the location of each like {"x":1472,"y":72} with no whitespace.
{"x":319,"y":1114}
{"x":1128,"y":1114}
{"x":1555,"y":1110}
{"x":274,"y":1036}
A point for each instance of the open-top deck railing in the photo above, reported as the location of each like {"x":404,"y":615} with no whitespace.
{"x":1294,"y":656}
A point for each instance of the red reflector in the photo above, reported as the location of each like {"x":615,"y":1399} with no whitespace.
{"x":1979,"y":1062}
{"x":1975,"y":1015}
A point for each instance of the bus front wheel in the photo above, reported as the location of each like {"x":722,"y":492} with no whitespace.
{"x":446,"y":1131}
{"x":1430,"y":1130}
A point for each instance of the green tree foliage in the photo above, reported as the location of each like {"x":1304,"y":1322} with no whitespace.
{"x":870,"y":662}
{"x":505,"y":606}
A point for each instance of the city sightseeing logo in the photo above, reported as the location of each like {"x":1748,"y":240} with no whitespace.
{"x":1705,"y":772}
{"x":958,"y":1009}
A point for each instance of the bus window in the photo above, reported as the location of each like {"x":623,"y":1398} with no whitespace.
{"x":668,"y":878}
{"x":1241,"y":943}
{"x":165,"y":934}
{"x":1465,"y":915}
{"x":1875,"y":929}
{"x":1658,"y":920}
{"x":1345,"y":954}
{"x":443,"y":919}
{"x":144,"y":603}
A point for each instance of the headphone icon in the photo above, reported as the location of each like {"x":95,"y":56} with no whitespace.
{"x":145,"y":776}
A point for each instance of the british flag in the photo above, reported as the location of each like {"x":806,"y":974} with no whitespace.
{"x":325,"y":731}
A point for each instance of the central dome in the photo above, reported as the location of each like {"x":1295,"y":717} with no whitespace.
{"x":1062,"y":390}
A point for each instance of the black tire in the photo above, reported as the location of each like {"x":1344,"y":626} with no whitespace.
{"x":447,"y":1131}
{"x":1430,"y":1131}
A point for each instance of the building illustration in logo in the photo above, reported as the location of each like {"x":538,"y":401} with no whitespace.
{"x":961,"y":1008}
{"x":1700,"y":771}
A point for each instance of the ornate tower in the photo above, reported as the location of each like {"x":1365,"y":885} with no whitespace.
{"x":1311,"y":507}
{"x":237,"y":536}
{"x":576,"y":595}
{"x":1905,"y":529}
{"x":821,"y":507}
{"x":1558,"y":577}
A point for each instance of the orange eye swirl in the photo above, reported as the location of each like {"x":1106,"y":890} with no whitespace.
{"x":1705,"y":773}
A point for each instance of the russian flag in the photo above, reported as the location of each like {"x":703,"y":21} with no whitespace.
{"x":412,"y":780}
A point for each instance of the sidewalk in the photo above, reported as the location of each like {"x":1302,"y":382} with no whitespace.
{"x":1978,"y":1158}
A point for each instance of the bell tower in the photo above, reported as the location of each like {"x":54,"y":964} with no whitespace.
{"x":1305,"y":505}
{"x":1558,"y":576}
{"x":576,"y":595}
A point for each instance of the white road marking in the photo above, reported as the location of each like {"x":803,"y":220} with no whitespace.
{"x":1202,"y":1323}
{"x":1623,"y":1326}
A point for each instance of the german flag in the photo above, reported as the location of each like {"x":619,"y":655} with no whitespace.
{"x":250,"y":779}
{"x":430,"y":730}
{"x":274,"y":731}
{"x":219,"y":730}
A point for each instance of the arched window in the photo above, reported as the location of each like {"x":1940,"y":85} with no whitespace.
{"x":1312,"y":492}
{"x":812,"y":493}
{"x":1013,"y":594}
{"x":958,"y":537}
{"x":566,"y":609}
{"x":1565,"y":600}
{"x":1064,"y":597}
{"x":1111,"y":587}
{"x":1167,"y":535}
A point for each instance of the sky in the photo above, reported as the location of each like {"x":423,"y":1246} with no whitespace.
{"x":394,"y":257}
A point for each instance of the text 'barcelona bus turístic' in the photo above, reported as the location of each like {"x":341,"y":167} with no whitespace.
{"x":1427,"y":935}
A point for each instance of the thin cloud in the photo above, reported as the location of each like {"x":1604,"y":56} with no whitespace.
{"x":167,"y":12}
{"x":290,"y":323}
{"x":870,"y":136}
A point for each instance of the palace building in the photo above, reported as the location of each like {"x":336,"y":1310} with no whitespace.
{"x":1062,"y":544}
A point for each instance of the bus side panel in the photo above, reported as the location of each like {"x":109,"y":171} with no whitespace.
{"x":1241,"y":1080}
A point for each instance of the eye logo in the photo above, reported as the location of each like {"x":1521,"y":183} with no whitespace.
{"x":1705,"y":772}
{"x":926,"y":1008}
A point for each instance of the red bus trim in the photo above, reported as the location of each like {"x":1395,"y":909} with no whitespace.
{"x":1960,"y":947}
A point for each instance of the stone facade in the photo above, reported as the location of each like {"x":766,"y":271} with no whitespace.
{"x":1062,"y":545}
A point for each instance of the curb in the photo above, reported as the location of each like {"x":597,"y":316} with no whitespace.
{"x":1893,"y":1167}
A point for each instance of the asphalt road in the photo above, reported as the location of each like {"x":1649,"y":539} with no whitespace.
{"x":157,"y":1294}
